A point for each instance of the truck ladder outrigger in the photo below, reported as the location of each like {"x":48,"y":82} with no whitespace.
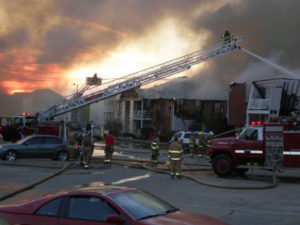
{"x":140,"y":78}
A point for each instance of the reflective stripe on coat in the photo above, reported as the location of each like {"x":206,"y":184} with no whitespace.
{"x":175,"y":151}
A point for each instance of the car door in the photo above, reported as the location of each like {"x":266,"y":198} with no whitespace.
{"x":50,"y":146}
{"x":31,"y":147}
{"x":87,"y":210}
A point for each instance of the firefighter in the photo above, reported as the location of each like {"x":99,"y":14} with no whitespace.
{"x":210,"y":137}
{"x":109,"y":148}
{"x":176,"y":157}
{"x":155,"y":150}
{"x":71,"y":145}
{"x":208,"y":140}
{"x":87,"y":149}
{"x":78,"y":140}
{"x":192,"y":145}
{"x":201,"y":143}
{"x":226,"y":36}
{"x":16,"y":134}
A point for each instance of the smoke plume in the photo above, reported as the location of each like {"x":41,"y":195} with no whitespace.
{"x":41,"y":41}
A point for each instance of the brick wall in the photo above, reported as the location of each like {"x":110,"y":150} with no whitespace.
{"x":237,"y":105}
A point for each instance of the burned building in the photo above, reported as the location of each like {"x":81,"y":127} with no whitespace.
{"x":137,"y":110}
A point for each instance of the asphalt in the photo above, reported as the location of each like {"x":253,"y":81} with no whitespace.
{"x":277,"y":206}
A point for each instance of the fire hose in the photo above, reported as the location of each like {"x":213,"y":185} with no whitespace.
{"x":144,"y":165}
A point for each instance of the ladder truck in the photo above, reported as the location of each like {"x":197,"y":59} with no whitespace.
{"x":94,"y":91}
{"x":89,"y":95}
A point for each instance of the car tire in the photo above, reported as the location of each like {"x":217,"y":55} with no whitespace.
{"x":11,"y":155}
{"x":63,"y":156}
{"x":222,"y":165}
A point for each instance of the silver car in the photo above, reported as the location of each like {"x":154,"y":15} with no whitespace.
{"x":36,"y":146}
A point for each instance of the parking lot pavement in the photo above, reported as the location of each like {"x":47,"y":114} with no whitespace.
{"x":272,"y":206}
{"x":16,"y":177}
{"x":275,"y":206}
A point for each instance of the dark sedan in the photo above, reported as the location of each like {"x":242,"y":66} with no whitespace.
{"x":36,"y":146}
{"x":101,"y":205}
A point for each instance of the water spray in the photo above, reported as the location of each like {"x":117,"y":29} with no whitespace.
{"x":280,"y":68}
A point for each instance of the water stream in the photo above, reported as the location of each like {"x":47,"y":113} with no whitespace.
{"x":280,"y":68}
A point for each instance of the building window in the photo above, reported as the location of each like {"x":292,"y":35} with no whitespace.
{"x":217,"y":109}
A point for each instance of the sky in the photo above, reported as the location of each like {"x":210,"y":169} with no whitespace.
{"x":56,"y":44}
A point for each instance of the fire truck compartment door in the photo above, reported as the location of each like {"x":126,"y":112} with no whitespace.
{"x":274,"y":148}
{"x":292,"y":149}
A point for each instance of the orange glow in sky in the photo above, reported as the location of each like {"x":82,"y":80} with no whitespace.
{"x":27,"y":69}
{"x":34,"y":76}
{"x":16,"y":86}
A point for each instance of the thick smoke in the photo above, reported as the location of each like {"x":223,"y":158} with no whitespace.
{"x":269,"y":29}
{"x":41,"y":39}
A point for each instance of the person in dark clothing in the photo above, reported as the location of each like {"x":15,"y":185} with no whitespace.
{"x":87,"y":150}
{"x":226,"y":36}
{"x":109,"y":148}
{"x":15,"y":133}
{"x":155,"y":150}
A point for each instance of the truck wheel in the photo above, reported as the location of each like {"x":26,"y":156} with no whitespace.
{"x":222,"y":165}
{"x":63,"y":156}
{"x":11,"y":155}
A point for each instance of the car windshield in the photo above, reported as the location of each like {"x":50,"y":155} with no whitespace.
{"x":141,"y":205}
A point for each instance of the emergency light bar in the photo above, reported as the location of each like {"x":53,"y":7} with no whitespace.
{"x":258,"y":123}
{"x":25,"y":114}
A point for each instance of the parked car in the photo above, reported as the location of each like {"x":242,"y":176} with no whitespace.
{"x":184,"y":138}
{"x":36,"y":146}
{"x":101,"y":205}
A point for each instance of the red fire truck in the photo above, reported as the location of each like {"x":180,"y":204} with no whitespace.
{"x":271,"y":138}
{"x":14,"y":128}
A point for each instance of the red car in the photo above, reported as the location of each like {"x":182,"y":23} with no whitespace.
{"x":101,"y":205}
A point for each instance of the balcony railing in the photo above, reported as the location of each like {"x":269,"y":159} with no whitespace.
{"x":139,"y":114}
{"x":259,"y":104}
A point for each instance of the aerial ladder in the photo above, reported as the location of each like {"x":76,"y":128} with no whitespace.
{"x":92,"y":94}
{"x":90,"y":81}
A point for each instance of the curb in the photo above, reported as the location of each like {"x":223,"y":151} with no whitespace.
{"x":30,"y":165}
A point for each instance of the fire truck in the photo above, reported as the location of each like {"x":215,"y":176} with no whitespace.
{"x":271,"y":138}
{"x":14,"y":128}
